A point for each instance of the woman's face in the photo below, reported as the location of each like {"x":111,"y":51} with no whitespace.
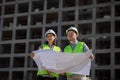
{"x":50,"y":38}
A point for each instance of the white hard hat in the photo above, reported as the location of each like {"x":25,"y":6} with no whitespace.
{"x":50,"y":31}
{"x":72,"y":29}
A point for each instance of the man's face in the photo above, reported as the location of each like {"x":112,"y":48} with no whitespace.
{"x":71,"y":35}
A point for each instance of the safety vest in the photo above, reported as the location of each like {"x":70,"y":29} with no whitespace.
{"x":77,"y":49}
{"x":43,"y":72}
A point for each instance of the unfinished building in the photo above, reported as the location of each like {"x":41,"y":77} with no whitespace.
{"x":23,"y":24}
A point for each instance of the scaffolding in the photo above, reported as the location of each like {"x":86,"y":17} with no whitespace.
{"x":23,"y":24}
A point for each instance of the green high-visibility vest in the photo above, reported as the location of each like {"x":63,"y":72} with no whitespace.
{"x":43,"y":72}
{"x":77,"y":49}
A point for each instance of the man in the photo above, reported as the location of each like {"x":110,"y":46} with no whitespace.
{"x":75,"y":46}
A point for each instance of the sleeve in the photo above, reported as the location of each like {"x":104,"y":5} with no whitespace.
{"x":40,"y":47}
{"x":85,"y":48}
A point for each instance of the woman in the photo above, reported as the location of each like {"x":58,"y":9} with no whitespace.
{"x":50,"y":36}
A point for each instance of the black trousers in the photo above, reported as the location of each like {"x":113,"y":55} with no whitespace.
{"x":46,"y":78}
{"x":62,"y":77}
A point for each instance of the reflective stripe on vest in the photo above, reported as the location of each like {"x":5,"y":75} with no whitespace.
{"x":42,"y":72}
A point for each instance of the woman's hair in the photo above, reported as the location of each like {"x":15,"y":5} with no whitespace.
{"x":54,"y":41}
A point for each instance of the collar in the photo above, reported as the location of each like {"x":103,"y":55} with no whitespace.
{"x":51,"y":46}
{"x":75,"y":42}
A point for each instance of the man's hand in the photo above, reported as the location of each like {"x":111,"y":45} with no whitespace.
{"x":49,"y":72}
{"x":91,"y":57}
{"x":63,"y":74}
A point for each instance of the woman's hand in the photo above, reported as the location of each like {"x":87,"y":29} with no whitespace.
{"x":32,"y":55}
